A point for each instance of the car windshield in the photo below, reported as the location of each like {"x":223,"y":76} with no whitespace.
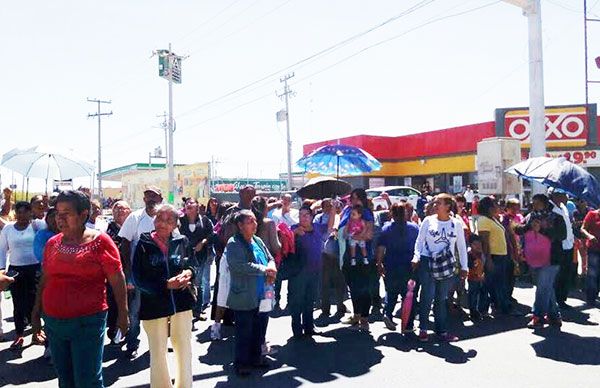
{"x":373,"y":193}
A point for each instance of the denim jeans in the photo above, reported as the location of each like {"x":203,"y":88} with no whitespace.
{"x":396,"y":283}
{"x":592,"y":280}
{"x":478,"y":297}
{"x":497,"y":283}
{"x":248,"y":333}
{"x":132,"y":337}
{"x":77,"y":345}
{"x":302,"y":292}
{"x":545,"y":295}
{"x":435,"y":291}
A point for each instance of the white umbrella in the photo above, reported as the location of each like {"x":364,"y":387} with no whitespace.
{"x":43,"y":162}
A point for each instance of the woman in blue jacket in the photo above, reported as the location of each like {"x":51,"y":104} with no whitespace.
{"x":163,"y":269}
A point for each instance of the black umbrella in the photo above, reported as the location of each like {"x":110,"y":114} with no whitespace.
{"x":324,"y":187}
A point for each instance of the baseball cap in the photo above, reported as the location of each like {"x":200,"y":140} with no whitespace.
{"x":153,"y":189}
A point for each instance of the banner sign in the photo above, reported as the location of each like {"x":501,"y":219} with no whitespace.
{"x":234,"y":185}
{"x":584,"y":158}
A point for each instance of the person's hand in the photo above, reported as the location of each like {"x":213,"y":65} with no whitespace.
{"x":5,"y":281}
{"x":38,"y":335}
{"x":180,"y":281}
{"x":123,"y":322}
{"x":299,"y":231}
{"x":592,"y":239}
{"x":414,"y":265}
{"x":463,"y":274}
{"x":381,"y":269}
{"x":130,"y":287}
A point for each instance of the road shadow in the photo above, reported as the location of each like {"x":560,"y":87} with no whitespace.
{"x":35,"y":370}
{"x":123,"y":366}
{"x":567,"y":347}
{"x":448,"y":352}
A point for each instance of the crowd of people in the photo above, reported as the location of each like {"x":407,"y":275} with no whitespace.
{"x":77,"y":278}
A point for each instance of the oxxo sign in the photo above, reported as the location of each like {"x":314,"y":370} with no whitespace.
{"x":564,"y":126}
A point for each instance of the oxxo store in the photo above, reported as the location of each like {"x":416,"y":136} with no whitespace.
{"x":445,"y":159}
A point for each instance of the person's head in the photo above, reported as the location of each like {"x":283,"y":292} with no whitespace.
{"x":246,"y":223}
{"x":326,"y":205}
{"x":52,"y":199}
{"x":259,"y":207}
{"x":557,"y":196}
{"x":429,"y":208}
{"x":475,"y":243}
{"x":96,"y":210}
{"x":358,"y":196}
{"x":166,"y":220}
{"x":513,"y":206}
{"x":476,"y":199}
{"x":37,"y":206}
{"x":152,"y":197}
{"x":72,"y":211}
{"x":222,"y":210}
{"x":286,"y":201}
{"x":487,"y":207}
{"x":468,"y":187}
{"x":581,"y":203}
{"x":51,"y":220}
{"x":398,"y":211}
{"x":120,"y":211}
{"x":23,"y":212}
{"x":212,"y":207}
{"x":540,"y":202}
{"x":461,"y":201}
{"x":356,"y":212}
{"x":191,"y":208}
{"x":442,"y":204}
{"x":306,"y":216}
{"x":408,"y":211}
{"x":246,"y":194}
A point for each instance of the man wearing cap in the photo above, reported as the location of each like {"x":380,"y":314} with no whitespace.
{"x":138,"y":222}
{"x":565,"y":273}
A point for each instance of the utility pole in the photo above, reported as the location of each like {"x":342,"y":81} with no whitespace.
{"x":165,"y":126}
{"x":99,"y":114}
{"x":285,"y":97}
{"x":537,"y":109}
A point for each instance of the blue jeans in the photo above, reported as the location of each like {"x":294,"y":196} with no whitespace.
{"x":592,"y":280}
{"x":302,"y":291}
{"x":132,"y":337}
{"x":396,"y":283}
{"x":248,"y":333}
{"x":497,"y":283}
{"x":545,"y":295}
{"x":77,"y":345}
{"x":435,"y":291}
{"x":478,"y":297}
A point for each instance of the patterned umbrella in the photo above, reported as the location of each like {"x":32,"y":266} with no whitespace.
{"x":339,"y":160}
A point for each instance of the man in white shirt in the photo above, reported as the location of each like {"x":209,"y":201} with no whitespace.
{"x":138,"y":222}
{"x":469,"y":196}
{"x":286,"y":214}
{"x":567,"y":268}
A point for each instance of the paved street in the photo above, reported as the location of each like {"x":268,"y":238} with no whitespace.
{"x":495,"y":353}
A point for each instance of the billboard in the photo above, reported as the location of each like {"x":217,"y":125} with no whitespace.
{"x":566,"y":126}
{"x":226,"y":185}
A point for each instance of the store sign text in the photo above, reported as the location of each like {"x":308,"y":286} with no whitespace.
{"x":562,"y":126}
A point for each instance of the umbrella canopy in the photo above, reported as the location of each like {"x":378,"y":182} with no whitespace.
{"x":324,"y":187}
{"x":45,"y":163}
{"x":560,"y":174}
{"x":339,"y":159}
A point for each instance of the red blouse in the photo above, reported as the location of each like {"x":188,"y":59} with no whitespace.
{"x":76,"y":276}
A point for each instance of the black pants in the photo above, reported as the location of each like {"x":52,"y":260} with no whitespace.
{"x":358,"y":278}
{"x":333,"y":279}
{"x":111,"y":320}
{"x":396,"y":284}
{"x":563,"y":283}
{"x":23,"y":292}
{"x":248,"y":334}
{"x":301,"y":298}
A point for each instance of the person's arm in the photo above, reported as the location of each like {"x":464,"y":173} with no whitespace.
{"x":5,"y":281}
{"x":420,"y":243}
{"x":237,"y":260}
{"x":586,"y":225}
{"x":557,"y":231}
{"x":3,"y":247}
{"x":36,"y":322}
{"x":125,"y":251}
{"x":117,"y":283}
{"x":379,"y":254}
{"x":274,"y":243}
{"x":461,"y":245}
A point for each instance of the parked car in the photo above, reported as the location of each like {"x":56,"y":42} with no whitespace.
{"x":396,"y":193}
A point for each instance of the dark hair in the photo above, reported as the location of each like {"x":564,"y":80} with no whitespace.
{"x":485,"y":206}
{"x":222,"y":210}
{"x":36,"y":198}
{"x":51,"y":212}
{"x":473,"y":238}
{"x":361,"y":194}
{"x":460,"y":198}
{"x":79,"y":200}
{"x":259,"y":204}
{"x":208,"y":211}
{"x":23,"y":205}
{"x":306,"y":208}
{"x":542,"y":198}
{"x":398,"y":212}
{"x":242,"y":216}
{"x":358,"y":208}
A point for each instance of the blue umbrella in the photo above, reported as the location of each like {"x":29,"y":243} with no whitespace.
{"x":560,"y":174}
{"x":339,"y":159}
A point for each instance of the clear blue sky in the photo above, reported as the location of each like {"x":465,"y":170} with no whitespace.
{"x":451,"y":72}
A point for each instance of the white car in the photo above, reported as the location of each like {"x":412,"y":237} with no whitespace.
{"x":396,"y":193}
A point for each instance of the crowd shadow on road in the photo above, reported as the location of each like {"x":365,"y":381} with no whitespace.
{"x":36,"y":370}
{"x":123,"y":366}
{"x":567,"y":347}
{"x":448,"y":352}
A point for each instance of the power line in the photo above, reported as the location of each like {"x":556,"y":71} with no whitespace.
{"x":207,"y":21}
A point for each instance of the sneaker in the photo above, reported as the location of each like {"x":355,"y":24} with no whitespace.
{"x":555,"y":321}
{"x":389,"y":324}
{"x":215,"y":331}
{"x":535,"y":323}
{"x":353,"y":320}
{"x":352,"y":262}
{"x":447,"y":337}
{"x":423,"y":336}
{"x":17,"y":343}
{"x":365,"y":261}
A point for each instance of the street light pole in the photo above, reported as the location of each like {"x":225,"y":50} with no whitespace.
{"x":171,"y":158}
{"x":99,"y":115}
{"x":537,"y":109}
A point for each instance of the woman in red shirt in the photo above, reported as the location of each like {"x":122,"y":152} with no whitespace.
{"x":591,"y":230}
{"x":72,"y":293}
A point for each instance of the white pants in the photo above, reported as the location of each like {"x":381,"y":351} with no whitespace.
{"x":157,"y":331}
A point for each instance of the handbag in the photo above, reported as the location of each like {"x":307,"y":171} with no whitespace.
{"x":441,"y":264}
